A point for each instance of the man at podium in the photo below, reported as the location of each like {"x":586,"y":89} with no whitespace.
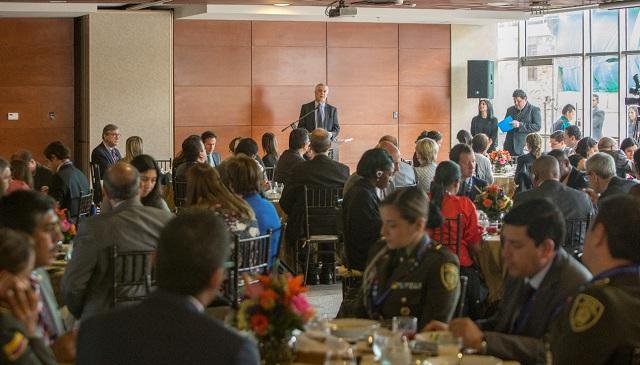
{"x":319,"y":114}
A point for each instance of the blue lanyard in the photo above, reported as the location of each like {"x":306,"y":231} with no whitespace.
{"x":635,"y":268}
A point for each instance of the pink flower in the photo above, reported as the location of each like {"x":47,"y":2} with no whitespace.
{"x":65,"y":225}
{"x":502,"y":161}
{"x":300,"y":306}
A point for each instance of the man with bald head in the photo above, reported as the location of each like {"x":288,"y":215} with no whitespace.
{"x":404,"y":174}
{"x":130,"y":226}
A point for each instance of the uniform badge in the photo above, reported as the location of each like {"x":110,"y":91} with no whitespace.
{"x":449,"y":275}
{"x":16,"y":347}
{"x":585,"y":312}
{"x":405,"y":311}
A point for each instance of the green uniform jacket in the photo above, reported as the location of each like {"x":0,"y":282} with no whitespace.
{"x":17,"y":348}
{"x":601,"y":325}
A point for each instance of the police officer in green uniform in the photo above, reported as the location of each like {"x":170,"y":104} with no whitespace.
{"x":409,"y":276}
{"x":19,"y":304}
{"x":601,"y":324}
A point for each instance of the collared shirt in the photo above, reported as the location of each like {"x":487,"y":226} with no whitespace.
{"x":65,"y":163}
{"x":110,"y":149}
{"x":537,"y":279}
{"x":196,"y":303}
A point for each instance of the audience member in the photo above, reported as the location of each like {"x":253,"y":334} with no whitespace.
{"x":586,"y":147}
{"x":19,"y":303}
{"x":389,"y":138}
{"x":5,"y":176}
{"x":603,"y":182}
{"x":445,"y":185}
{"x":541,"y":278}
{"x":133,"y":148}
{"x":434,"y":135}
{"x":206,"y":190}
{"x":600,"y":324}
{"x":526,"y":120}
{"x":569,"y":175}
{"x":633,"y":130}
{"x":636,"y":163}
{"x":189,"y":270}
{"x":427,"y":153}
{"x":429,"y":272}
{"x":568,"y":113}
{"x":149,"y":171}
{"x":106,"y":153}
{"x":484,"y":170}
{"x":486,"y":123}
{"x":623,"y":166}
{"x":463,"y":136}
{"x":21,"y":178}
{"x":88,"y":278}
{"x":394,"y":152}
{"x":298,"y":146}
{"x":242,"y":177}
{"x":41,"y":175}
{"x":470,"y":186}
{"x":270,"y":148}
{"x":33,"y":213}
{"x":572,"y":135}
{"x":193,"y":152}
{"x":234,"y":142}
{"x":523,"y":178}
{"x":249,"y":147}
{"x":628,"y":146}
{"x":68,"y":183}
{"x":556,"y":142}
{"x":597,"y":117}
{"x":209,"y":140}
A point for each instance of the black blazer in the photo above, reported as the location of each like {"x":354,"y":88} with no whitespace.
{"x":530,"y":122}
{"x":42,"y":177}
{"x":361,"y":222}
{"x":478,"y":186}
{"x":67,"y":186}
{"x":572,"y":203}
{"x":330,"y":118}
{"x":103,"y":158}
{"x":288,"y":160}
{"x":522,"y":176}
{"x":165,"y":329}
{"x":577,"y":180}
{"x":617,"y":186}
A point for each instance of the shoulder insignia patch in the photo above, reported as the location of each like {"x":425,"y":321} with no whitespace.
{"x":449,"y":275}
{"x":585,"y":312}
{"x":15,"y":347}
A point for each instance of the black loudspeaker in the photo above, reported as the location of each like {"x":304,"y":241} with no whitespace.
{"x":480,"y":79}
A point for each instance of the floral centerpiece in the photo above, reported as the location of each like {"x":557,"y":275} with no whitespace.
{"x":67,"y":228}
{"x":493,"y":201}
{"x":274,"y":306}
{"x":500,"y":160}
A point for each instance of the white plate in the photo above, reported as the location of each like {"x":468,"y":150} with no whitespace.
{"x":352,"y":328}
{"x":466,"y":360}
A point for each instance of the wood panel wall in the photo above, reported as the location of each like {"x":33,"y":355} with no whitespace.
{"x":36,"y":77}
{"x":242,"y":78}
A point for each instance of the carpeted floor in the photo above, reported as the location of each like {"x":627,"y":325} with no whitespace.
{"x":325,"y":299}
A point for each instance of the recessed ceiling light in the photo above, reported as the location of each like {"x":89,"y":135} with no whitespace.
{"x":57,"y":1}
{"x":281,"y":4}
{"x":497,"y":3}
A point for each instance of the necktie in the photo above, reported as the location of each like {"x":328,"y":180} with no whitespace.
{"x":318,"y":117}
{"x":525,"y":310}
{"x":210,"y":159}
{"x":114,"y":156}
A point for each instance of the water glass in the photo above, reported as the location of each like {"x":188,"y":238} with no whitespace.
{"x":396,"y":352}
{"x":381,"y":338}
{"x":340,"y":353}
{"x":406,"y":326}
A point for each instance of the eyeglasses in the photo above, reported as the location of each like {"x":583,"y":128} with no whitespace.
{"x":114,"y":134}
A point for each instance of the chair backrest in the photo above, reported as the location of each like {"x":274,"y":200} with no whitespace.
{"x":464,"y":283}
{"x":268,"y":172}
{"x":96,"y":182}
{"x":164,"y":165}
{"x":330,"y":153}
{"x":84,"y":207}
{"x":179,"y":193}
{"x":133,"y":275}
{"x":321,"y":211}
{"x":576,"y":233}
{"x":449,"y":235}
{"x":249,"y":256}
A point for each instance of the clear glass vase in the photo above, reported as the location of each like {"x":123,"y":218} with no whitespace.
{"x":275,"y":351}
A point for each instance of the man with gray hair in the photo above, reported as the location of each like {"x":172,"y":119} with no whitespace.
{"x":603,"y":182}
{"x":129,"y":226}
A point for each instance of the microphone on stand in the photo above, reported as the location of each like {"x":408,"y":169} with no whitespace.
{"x":293,"y":124}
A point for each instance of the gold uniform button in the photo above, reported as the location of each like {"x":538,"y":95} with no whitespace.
{"x":403,"y":300}
{"x":405,"y":311}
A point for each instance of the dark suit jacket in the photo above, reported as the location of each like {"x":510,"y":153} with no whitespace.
{"x":288,"y":160}
{"x":86,"y":284}
{"x":321,"y":171}
{"x":361,"y":222}
{"x":103,"y":158}
{"x":478,"y":186}
{"x":216,"y":158}
{"x":530,"y":122}
{"x":564,"y":278}
{"x":577,"y":180}
{"x":572,"y":203}
{"x":165,"y":329}
{"x":42,"y":177}
{"x":617,"y":186}
{"x":67,"y":186}
{"x":523,"y":172}
{"x":330,"y":118}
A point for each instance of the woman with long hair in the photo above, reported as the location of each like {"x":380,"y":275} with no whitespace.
{"x":270,"y":147}
{"x":443,"y":194}
{"x":134,"y":148}
{"x":242,"y":176}
{"x":523,"y":176}
{"x":21,"y":178}
{"x":633,"y":127}
{"x":206,"y":190}
{"x":485,"y":122}
{"x":192,"y":153}
{"x":427,"y":154}
{"x":586,"y":147}
{"x":149,"y":182}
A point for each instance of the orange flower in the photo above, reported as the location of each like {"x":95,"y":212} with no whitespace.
{"x":268,"y":299}
{"x":265,"y":280}
{"x":72,"y":230}
{"x":487,"y":203}
{"x":259,"y":324}
{"x":294,"y":285}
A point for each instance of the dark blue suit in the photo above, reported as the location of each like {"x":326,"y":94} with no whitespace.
{"x":102,"y":157}
{"x":67,"y":186}
{"x":477,"y":186}
{"x":330,"y":121}
{"x":165,"y":328}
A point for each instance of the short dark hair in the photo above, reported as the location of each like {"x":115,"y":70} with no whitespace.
{"x":24,"y":155}
{"x":22,"y":209}
{"x":584,"y":145}
{"x":207,"y":135}
{"x":567,"y":108}
{"x":519,"y":93}
{"x":373,"y":161}
{"x":619,"y":214}
{"x":627,"y":142}
{"x":557,"y":136}
{"x":248,"y":146}
{"x":298,"y":138}
{"x":434,"y":135}
{"x":457,"y":150}
{"x":15,"y":250}
{"x":191,"y":148}
{"x":109,"y":128}
{"x":559,"y":155}
{"x":463,"y":136}
{"x":479,"y":143}
{"x":596,"y":97}
{"x":191,"y":248}
{"x":57,"y":149}
{"x":573,"y":131}
{"x":542,"y":218}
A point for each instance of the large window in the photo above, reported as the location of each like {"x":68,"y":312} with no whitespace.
{"x":554,"y":34}
{"x":605,"y":85}
{"x":604,"y":35}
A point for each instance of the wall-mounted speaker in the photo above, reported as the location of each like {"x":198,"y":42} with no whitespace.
{"x":480,"y":79}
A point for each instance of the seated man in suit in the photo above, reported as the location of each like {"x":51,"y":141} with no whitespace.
{"x":569,"y":175}
{"x":470,"y":186}
{"x":298,"y":146}
{"x":600,"y":325}
{"x":209,"y":139}
{"x":41,"y":175}
{"x":32,"y":213}
{"x":87,"y":282}
{"x":541,"y":278}
{"x":170,"y":326}
{"x":319,"y":114}
{"x":68,"y":183}
{"x":603,"y":182}
{"x":106,"y":153}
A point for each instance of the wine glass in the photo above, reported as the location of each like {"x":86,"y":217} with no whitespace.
{"x":406,"y":326}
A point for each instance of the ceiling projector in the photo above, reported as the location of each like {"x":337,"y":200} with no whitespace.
{"x":341,"y":10}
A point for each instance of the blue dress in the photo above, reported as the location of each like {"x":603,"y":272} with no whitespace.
{"x":267,"y":218}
